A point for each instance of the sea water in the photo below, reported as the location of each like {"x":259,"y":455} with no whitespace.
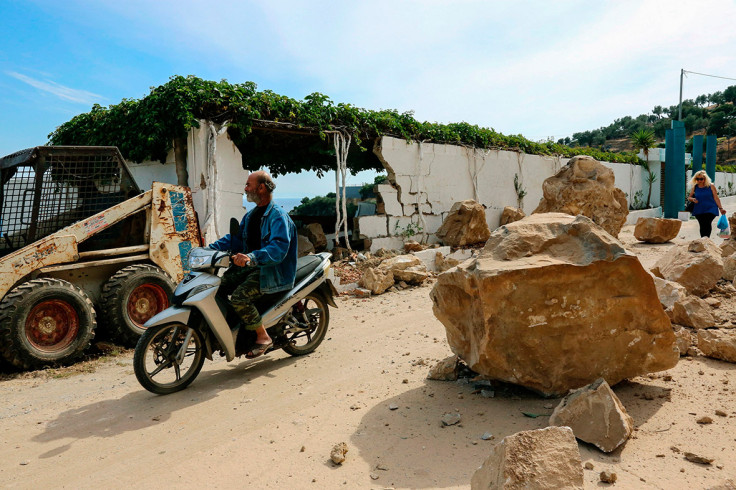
{"x":288,"y":203}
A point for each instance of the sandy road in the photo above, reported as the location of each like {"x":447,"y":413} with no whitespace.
{"x":270,"y":423}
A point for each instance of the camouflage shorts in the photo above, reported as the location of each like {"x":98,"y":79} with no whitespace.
{"x":243,"y":284}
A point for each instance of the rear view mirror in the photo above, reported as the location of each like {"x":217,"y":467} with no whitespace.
{"x":234,"y":227}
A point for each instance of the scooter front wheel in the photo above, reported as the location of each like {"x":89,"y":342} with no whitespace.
{"x":314,"y":317}
{"x":168,"y":358}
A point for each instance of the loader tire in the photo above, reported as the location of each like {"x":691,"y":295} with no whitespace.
{"x":45,"y":321}
{"x":131,"y":297}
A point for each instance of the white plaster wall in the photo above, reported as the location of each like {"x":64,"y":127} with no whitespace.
{"x":216,"y":177}
{"x":432,"y":177}
{"x":148,"y":172}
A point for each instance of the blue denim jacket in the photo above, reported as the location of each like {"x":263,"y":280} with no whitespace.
{"x":278,"y":252}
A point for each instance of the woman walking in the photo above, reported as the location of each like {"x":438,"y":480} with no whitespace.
{"x":707,"y":204}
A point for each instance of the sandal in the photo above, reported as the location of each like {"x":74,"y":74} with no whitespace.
{"x":258,"y":350}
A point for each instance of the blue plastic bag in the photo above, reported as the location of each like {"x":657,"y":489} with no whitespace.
{"x":722,"y":222}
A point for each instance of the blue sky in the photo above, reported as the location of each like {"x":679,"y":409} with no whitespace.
{"x":538,"y":68}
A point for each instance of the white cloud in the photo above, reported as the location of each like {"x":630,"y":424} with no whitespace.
{"x":538,"y":68}
{"x":61,"y":91}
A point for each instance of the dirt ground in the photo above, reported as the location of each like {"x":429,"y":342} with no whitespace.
{"x":271,"y":422}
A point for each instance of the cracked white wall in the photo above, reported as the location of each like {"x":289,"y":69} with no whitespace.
{"x":429,"y":178}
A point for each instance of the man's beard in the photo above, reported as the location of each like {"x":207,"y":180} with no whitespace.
{"x":253,"y":197}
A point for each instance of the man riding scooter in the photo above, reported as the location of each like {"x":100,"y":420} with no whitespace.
{"x":264,"y":257}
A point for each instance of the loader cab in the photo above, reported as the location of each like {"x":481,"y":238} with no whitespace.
{"x":46,"y":188}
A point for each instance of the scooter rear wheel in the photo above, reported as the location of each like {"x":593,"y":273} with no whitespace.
{"x":314,"y":315}
{"x":155,"y":356}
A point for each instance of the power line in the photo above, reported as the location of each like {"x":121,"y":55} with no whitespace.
{"x":682,"y":75}
{"x":706,"y":75}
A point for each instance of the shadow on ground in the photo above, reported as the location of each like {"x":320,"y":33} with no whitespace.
{"x":141,"y":409}
{"x":408,"y":446}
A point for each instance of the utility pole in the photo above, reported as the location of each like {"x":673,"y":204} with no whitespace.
{"x":679,"y":115}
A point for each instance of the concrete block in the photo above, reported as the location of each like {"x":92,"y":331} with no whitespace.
{"x":428,"y":256}
{"x":398,"y":225}
{"x":391,"y":204}
{"x":390,"y":243}
{"x":373,"y":226}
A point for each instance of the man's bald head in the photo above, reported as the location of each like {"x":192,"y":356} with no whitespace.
{"x":263,"y":177}
{"x":258,"y":188}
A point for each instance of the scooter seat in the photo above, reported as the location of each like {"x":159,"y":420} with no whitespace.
{"x":304,"y":266}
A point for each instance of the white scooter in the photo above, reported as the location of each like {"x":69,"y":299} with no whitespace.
{"x":171,"y":352}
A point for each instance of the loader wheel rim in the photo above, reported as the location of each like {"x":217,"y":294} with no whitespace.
{"x":52,"y":325}
{"x":145,"y":301}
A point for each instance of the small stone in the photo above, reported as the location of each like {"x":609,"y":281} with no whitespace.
{"x":705,"y":420}
{"x":302,"y":449}
{"x":487,"y":436}
{"x":450,"y":419}
{"x":393,"y":406}
{"x":694,"y":458}
{"x":23,"y":463}
{"x":381,"y":467}
{"x":487,"y":393}
{"x":588,"y":465}
{"x":374,"y":476}
{"x":337,"y":455}
{"x":608,"y":477}
{"x":405,"y":381}
{"x":721,"y":413}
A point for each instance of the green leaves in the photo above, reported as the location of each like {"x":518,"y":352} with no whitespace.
{"x":145,"y":129}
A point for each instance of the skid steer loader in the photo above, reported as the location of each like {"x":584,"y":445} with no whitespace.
{"x":80,"y":243}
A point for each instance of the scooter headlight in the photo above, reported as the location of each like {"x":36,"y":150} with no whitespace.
{"x":198,"y":261}
{"x":200,"y":258}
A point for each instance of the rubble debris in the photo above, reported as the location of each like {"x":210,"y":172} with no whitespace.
{"x":595,"y":415}
{"x":544,"y":458}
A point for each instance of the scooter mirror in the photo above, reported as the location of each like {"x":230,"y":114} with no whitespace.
{"x":234,"y":227}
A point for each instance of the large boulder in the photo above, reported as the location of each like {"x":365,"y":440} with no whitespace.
{"x":304,"y":246}
{"x":511,"y":214}
{"x":464,"y":225}
{"x":684,"y":339}
{"x":534,"y":460}
{"x":729,"y":267}
{"x":316,"y":235}
{"x":669,"y":292}
{"x":692,"y":311}
{"x":718,"y":344}
{"x":656,"y":230}
{"x":595,"y":415}
{"x":585,"y":186}
{"x":553,"y":303}
{"x":697,"y":265}
{"x":376,"y":280}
